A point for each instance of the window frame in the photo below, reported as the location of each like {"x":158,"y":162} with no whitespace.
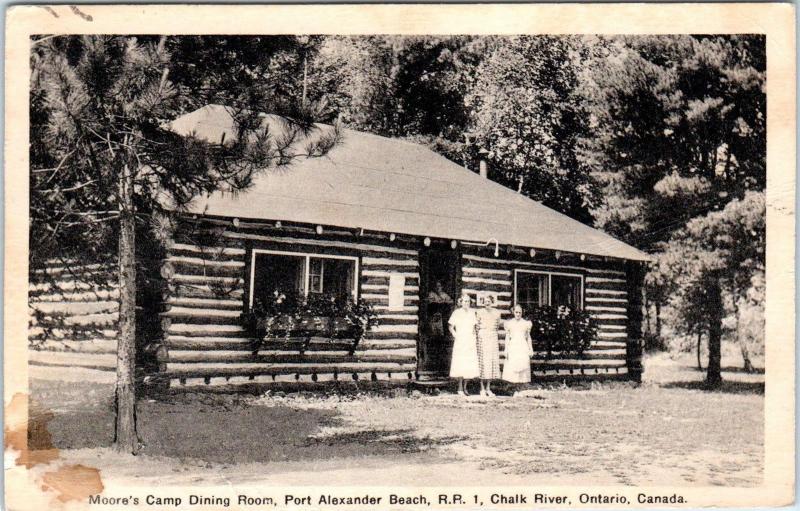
{"x":306,"y":268}
{"x":549,"y":274}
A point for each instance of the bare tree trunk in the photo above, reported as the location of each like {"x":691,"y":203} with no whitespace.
{"x":125,"y":438}
{"x":305,"y":78}
{"x":699,"y":344}
{"x":714,"y":374}
{"x":658,"y":324}
{"x":748,"y":364}
{"x":726,"y":172}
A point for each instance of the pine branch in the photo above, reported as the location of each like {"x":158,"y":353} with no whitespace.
{"x":69,"y":189}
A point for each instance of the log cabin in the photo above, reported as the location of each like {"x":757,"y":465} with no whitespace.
{"x":381,"y":220}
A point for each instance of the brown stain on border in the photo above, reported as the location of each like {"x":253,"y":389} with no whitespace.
{"x":73,"y":482}
{"x":34,"y":443}
{"x":31,"y":438}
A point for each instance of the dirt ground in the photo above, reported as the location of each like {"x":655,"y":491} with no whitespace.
{"x":667,"y":431}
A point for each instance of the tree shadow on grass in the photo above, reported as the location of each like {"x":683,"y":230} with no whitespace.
{"x":89,"y":428}
{"x":730,"y":369}
{"x":756,"y":370}
{"x":266,"y":434}
{"x":727,"y":386}
{"x":384,"y":441}
{"x":230,"y":429}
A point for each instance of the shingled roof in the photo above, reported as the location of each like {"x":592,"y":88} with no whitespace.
{"x":391,"y":185}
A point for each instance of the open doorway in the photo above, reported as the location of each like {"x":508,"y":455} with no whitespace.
{"x":439,"y":287}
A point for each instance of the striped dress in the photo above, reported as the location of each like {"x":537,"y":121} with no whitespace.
{"x":488,"y":343}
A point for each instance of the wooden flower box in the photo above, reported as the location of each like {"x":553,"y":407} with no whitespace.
{"x":308,"y":333}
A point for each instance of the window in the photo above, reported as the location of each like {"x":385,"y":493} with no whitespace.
{"x":533,"y":290}
{"x":301,"y":274}
{"x":315,"y":276}
{"x":538,"y":288}
{"x":566,"y":290}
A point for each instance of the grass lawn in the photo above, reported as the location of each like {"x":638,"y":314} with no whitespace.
{"x":666,"y":431}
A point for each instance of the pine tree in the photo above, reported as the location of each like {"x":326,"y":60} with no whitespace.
{"x":677,"y":133}
{"x":105,"y":165}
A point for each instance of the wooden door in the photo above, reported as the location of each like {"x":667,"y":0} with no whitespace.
{"x":439,"y":287}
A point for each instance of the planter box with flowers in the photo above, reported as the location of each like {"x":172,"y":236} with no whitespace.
{"x":286,"y":320}
{"x":561,"y":330}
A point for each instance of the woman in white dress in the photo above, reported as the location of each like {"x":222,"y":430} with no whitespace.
{"x":519,"y":348}
{"x":464,"y":364}
{"x":488,"y":345}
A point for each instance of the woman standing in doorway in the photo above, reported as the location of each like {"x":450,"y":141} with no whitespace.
{"x":488,"y":345}
{"x":462,"y":324}
{"x":519,"y":348}
{"x":439,"y":303}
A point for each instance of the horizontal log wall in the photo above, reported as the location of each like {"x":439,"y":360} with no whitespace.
{"x":74,"y":310}
{"x":605,"y":298}
{"x":73,"y":314}
{"x":208,"y":290}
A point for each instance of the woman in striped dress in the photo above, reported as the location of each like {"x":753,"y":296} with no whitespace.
{"x":488,"y":345}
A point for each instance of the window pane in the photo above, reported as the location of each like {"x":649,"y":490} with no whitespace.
{"x":531,"y":290}
{"x":315,"y":276}
{"x":566,"y":291}
{"x":282,"y":273}
{"x":337,"y":276}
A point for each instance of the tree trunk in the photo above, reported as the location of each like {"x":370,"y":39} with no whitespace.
{"x":305,"y":80}
{"x":699,"y":344}
{"x":748,"y":364}
{"x":714,"y":374}
{"x":125,"y":438}
{"x":658,"y":324}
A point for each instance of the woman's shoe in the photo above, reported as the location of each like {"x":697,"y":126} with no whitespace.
{"x":484,"y":393}
{"x":490,"y":393}
{"x":461,"y":393}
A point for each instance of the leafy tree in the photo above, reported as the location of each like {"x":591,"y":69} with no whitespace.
{"x":528,"y":118}
{"x":638,"y":134}
{"x":511,"y":96}
{"x":721,"y":253}
{"x":395,"y":85}
{"x":401,"y":86}
{"x":749,"y":322}
{"x":105,"y":165}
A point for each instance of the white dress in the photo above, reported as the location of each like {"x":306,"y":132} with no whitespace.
{"x":517,"y":368}
{"x":465,"y":349}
